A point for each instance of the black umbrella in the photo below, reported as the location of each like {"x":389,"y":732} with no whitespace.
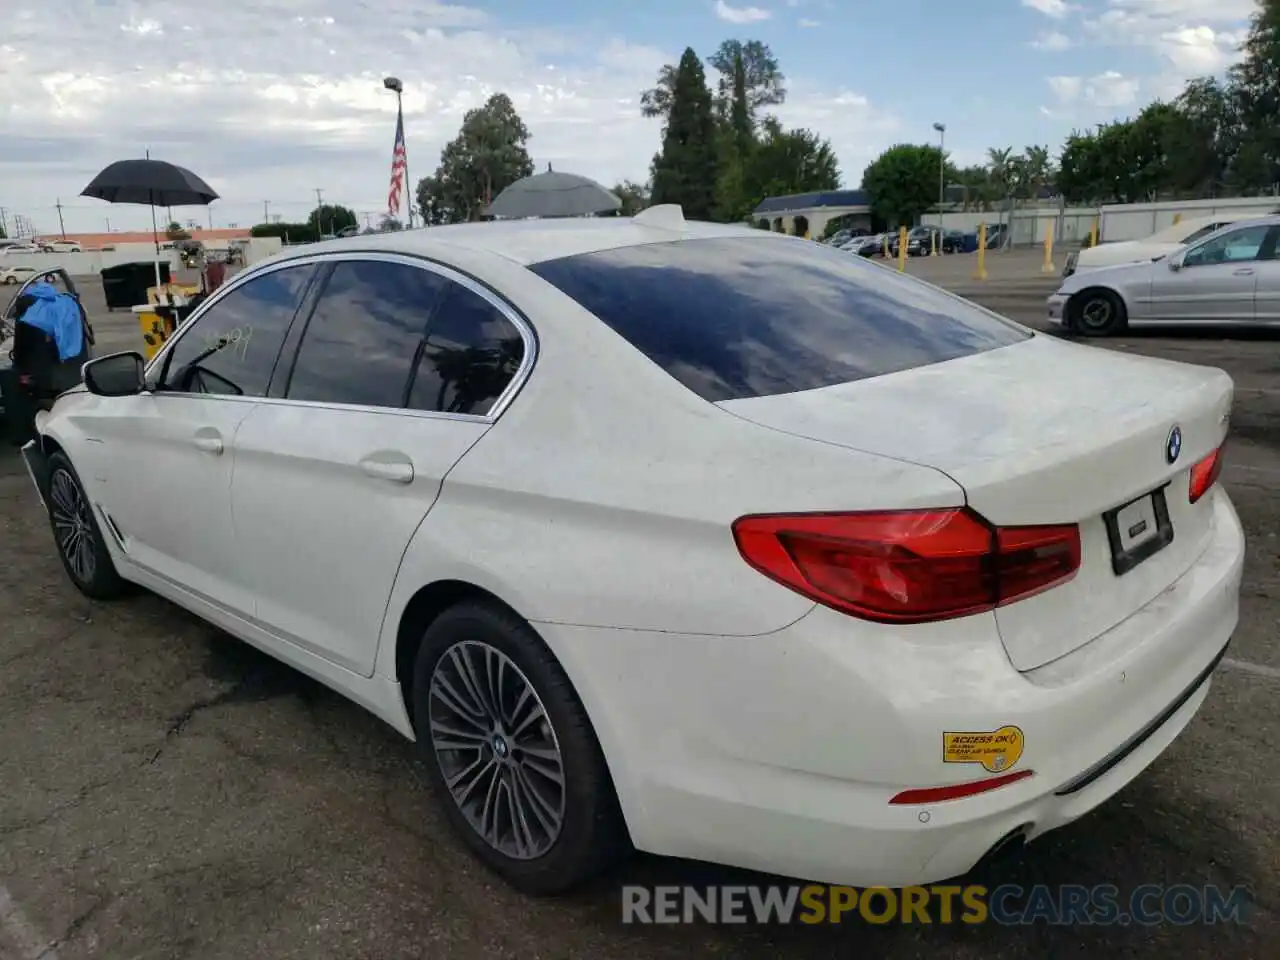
{"x":553,"y":194}
{"x":153,"y":183}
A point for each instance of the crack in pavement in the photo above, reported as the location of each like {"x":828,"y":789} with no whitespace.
{"x":81,"y":795}
{"x":179,"y":722}
{"x":73,"y":928}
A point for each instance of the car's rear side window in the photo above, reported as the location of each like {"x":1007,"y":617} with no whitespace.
{"x":749,"y":317}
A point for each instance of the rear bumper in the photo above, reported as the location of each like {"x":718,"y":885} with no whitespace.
{"x":782,"y":752}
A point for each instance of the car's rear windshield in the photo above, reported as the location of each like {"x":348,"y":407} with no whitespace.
{"x":749,"y":317}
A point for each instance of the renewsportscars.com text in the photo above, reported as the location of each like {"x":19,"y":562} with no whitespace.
{"x":1010,"y":904}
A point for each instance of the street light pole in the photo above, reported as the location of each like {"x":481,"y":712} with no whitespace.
{"x":942,"y":169}
{"x":394,"y":84}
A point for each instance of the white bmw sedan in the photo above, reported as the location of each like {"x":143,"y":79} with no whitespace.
{"x":692,"y":538}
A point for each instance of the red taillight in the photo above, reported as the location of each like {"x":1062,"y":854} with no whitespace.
{"x":1205,"y":474}
{"x":958,"y":791}
{"x":908,"y":566}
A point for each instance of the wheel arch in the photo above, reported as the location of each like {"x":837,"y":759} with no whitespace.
{"x":433,"y":599}
{"x":1074,"y":300}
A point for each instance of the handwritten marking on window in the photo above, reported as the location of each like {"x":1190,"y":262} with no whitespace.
{"x":237,"y":340}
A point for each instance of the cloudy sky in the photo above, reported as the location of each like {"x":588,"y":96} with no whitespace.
{"x":271,"y":99}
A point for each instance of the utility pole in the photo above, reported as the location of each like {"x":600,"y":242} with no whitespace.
{"x":266,"y":217}
{"x":319,"y":204}
{"x":210,"y":212}
{"x":61,"y":226}
{"x":4,"y":223}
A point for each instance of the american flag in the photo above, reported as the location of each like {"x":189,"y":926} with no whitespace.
{"x":398,"y":164}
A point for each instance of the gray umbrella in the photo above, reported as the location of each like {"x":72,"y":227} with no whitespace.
{"x":553,"y":194}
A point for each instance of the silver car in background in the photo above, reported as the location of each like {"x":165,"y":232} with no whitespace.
{"x":1230,"y":277}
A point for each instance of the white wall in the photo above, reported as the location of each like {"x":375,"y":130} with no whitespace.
{"x":92,"y":261}
{"x":1133,"y":221}
{"x":262,"y":247}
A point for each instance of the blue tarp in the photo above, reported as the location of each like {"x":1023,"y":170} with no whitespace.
{"x":58,"y":315}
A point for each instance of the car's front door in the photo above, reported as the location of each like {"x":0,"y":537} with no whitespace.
{"x":398,"y":372}
{"x":1216,"y":279}
{"x":164,"y":460}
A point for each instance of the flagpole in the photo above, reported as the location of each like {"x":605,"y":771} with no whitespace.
{"x":408,"y":184}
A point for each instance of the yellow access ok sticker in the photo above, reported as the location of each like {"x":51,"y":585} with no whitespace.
{"x":996,"y":751}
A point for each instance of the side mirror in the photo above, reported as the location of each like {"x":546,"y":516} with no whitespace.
{"x":116,"y":375}
{"x":1176,"y":260}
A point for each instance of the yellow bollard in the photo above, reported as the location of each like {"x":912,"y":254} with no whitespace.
{"x":981,"y":272}
{"x":934,"y":235}
{"x":1177,"y":218}
{"x":902,"y":249}
{"x":1093,"y":234}
{"x":1047,"y":267}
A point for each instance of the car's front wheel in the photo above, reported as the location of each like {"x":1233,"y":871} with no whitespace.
{"x":76,"y":534}
{"x":511,"y":752}
{"x":1097,"y":313}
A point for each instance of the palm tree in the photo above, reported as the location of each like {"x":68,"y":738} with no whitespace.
{"x":998,"y":163}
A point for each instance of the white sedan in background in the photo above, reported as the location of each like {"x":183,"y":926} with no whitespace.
{"x":10,"y":275}
{"x":687,"y":537}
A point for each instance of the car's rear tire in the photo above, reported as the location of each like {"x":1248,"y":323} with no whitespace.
{"x":497,"y":723}
{"x":77,"y":536}
{"x":1097,"y":313}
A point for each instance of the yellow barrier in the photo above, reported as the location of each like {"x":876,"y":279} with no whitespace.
{"x":934,"y":235}
{"x":1047,"y":266}
{"x":981,"y":272}
{"x":1093,"y":233}
{"x":1177,"y":218}
{"x":902,"y":249}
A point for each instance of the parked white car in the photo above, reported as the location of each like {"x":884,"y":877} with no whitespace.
{"x":64,"y":246}
{"x":10,"y":275}
{"x":1159,"y":244}
{"x":723,"y":543}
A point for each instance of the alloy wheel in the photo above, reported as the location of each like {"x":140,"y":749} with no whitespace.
{"x":497,"y":750}
{"x":73,"y":527}
{"x":1096,"y":314}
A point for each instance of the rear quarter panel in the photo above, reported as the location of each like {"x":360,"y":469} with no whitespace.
{"x":604,"y":496}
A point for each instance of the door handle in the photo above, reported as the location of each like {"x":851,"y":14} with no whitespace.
{"x":397,"y":471}
{"x":1244,"y":272}
{"x":209,"y":443}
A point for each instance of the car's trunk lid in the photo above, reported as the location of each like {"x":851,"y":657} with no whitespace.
{"x":1040,"y":432}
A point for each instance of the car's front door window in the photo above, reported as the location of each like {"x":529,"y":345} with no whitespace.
{"x":1234,"y":246}
{"x":231,"y":348}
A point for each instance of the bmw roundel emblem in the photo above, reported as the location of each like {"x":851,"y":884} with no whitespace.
{"x":1173,"y":446}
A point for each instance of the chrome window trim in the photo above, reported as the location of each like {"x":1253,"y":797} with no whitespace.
{"x":527,"y":335}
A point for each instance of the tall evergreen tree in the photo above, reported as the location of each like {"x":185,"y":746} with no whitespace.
{"x":685,"y":172}
{"x":1256,"y":84}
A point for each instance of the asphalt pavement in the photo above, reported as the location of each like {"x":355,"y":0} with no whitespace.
{"x":166,"y":791}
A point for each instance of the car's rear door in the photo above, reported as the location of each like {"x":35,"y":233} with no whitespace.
{"x":401,"y":367}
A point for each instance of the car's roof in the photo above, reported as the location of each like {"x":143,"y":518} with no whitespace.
{"x":530,"y":241}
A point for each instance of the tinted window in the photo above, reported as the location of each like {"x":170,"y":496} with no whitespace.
{"x":232,"y":347}
{"x":470,"y":355}
{"x":748,"y":317}
{"x":1232,"y":246}
{"x":361,"y":340}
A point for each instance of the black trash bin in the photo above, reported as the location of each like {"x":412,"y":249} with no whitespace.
{"x":125,"y":285}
